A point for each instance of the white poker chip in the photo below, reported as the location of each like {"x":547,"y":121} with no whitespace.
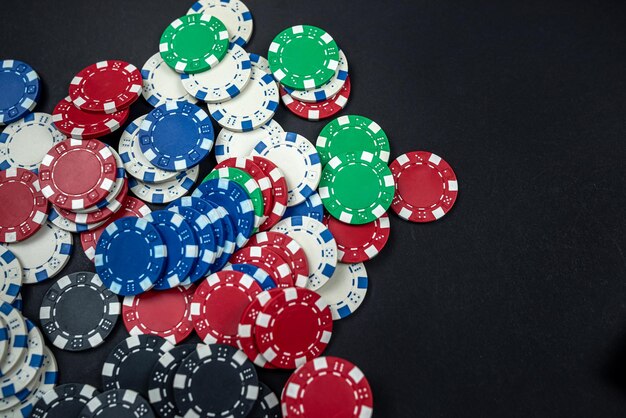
{"x":327,"y":90}
{"x":135,"y":163}
{"x":252,"y":108}
{"x":18,"y":335}
{"x":28,"y":369}
{"x":224,"y":81}
{"x":10,"y":276}
{"x":44,"y":254}
{"x":233,"y":13}
{"x":318,"y":244}
{"x":4,"y":341}
{"x":161,"y":83}
{"x":260,"y":63}
{"x":230,"y":144}
{"x":299,"y":161}
{"x":168,"y":191}
{"x":346,"y":290}
{"x":25,"y":142}
{"x":68,"y":225}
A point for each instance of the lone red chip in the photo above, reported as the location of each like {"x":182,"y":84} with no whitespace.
{"x":24,"y":208}
{"x":357,"y":243}
{"x":320,"y":110}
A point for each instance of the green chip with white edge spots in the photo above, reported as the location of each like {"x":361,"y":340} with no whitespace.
{"x":194,"y":43}
{"x":303,"y":57}
{"x":246,"y":181}
{"x":356,"y":187}
{"x":352,"y":133}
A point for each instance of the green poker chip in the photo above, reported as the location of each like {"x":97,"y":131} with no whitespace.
{"x":194,"y":43}
{"x":352,"y":133}
{"x":303,"y":57}
{"x":246,"y":181}
{"x":356,"y":187}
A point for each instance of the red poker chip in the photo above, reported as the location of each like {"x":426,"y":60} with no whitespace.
{"x":289,"y":250}
{"x":328,"y":386}
{"x":268,"y":260}
{"x":78,"y":124}
{"x":166,"y":313}
{"x":24,"y":208}
{"x":262,"y":179}
{"x":357,"y":243}
{"x":320,"y":110}
{"x":246,"y":340}
{"x":77,"y":174}
{"x":130,"y":207}
{"x":426,"y":186}
{"x":293,"y":328}
{"x":105,"y":212}
{"x":218,"y":304}
{"x":280,"y":192}
{"x":106,"y":86}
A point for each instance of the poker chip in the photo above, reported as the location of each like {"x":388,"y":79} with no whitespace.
{"x":280,"y":191}
{"x":229,"y":144}
{"x":233,"y":13}
{"x":130,"y":256}
{"x":267,"y":259}
{"x":44,"y":254}
{"x":318,"y":245}
{"x":4,"y":340}
{"x":207,"y":243}
{"x":117,"y":403}
{"x":224,"y":81}
{"x":166,"y":314}
{"x":426,"y":186}
{"x":182,"y":247}
{"x":346,"y":290}
{"x":167,"y":191}
{"x":328,"y":89}
{"x":293,"y":327}
{"x":24,"y":208}
{"x":130,"y":207}
{"x":160,"y":387}
{"x":78,"y":313}
{"x":297,"y":159}
{"x":18,"y":303}
{"x":308,"y":390}
{"x":130,"y":364}
{"x":21,"y":88}
{"x":356,"y":243}
{"x":65,"y":224}
{"x":357,"y":188}
{"x":18,"y":338}
{"x":176,"y":136}
{"x":77,"y":174}
{"x":303,"y":57}
{"x":10,"y":276}
{"x":162,"y":84}
{"x":78,"y":124}
{"x":24,"y":142}
{"x":229,"y":235}
{"x":134,"y":161}
{"x":246,"y":340}
{"x":199,"y":393}
{"x":66,"y":400}
{"x":194,"y":43}
{"x":106,"y":86}
{"x":218,"y":303}
{"x":250,"y":109}
{"x":311,"y":207}
{"x":320,"y":110}
{"x":234,"y":199}
{"x":260,"y":62}
{"x":267,"y":404}
{"x":26,"y":371}
{"x":257,"y":273}
{"x":289,"y":250}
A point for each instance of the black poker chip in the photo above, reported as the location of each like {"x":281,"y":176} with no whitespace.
{"x":216,"y":380}
{"x":130,"y":363}
{"x":64,"y":401}
{"x":117,"y":403}
{"x":267,"y":405}
{"x":78,"y":312}
{"x":160,"y":391}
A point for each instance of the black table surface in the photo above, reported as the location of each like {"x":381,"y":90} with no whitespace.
{"x":514,"y":304}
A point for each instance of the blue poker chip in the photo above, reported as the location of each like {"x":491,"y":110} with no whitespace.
{"x":182,"y":247}
{"x":311,"y":207}
{"x":176,"y":136}
{"x":130,"y":256}
{"x":21,"y":87}
{"x":261,"y":276}
{"x":235,"y":200}
{"x":207,"y":245}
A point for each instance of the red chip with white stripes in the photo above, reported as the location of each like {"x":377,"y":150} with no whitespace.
{"x":24,"y":208}
{"x":289,"y":250}
{"x":78,"y":124}
{"x":280,"y":191}
{"x":320,"y":110}
{"x":357,"y":243}
{"x":268,"y":260}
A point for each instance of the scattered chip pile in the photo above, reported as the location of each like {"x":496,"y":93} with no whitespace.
{"x":266,"y":252}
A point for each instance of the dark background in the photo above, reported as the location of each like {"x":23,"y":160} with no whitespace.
{"x":514,"y":304}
